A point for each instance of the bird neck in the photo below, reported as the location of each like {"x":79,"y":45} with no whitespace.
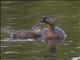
{"x":50,"y":32}
{"x":50,"y":28}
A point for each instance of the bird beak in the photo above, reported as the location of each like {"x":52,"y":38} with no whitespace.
{"x":42,"y":21}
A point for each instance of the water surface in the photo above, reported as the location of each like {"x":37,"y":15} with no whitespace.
{"x":17,"y":15}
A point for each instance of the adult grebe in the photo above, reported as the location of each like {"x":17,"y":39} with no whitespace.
{"x":53,"y":35}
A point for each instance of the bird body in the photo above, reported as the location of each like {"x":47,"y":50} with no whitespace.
{"x":25,"y":34}
{"x":57,"y":32}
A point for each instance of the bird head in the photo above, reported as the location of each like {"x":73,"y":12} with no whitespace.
{"x":48,"y":20}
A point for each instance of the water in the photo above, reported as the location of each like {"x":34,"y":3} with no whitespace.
{"x":75,"y":58}
{"x":17,"y":15}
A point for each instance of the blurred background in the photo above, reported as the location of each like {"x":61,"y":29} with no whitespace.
{"x":17,"y":15}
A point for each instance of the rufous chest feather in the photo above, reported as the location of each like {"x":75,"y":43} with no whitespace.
{"x":50,"y":33}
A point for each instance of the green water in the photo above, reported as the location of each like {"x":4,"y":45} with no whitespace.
{"x":24,"y":14}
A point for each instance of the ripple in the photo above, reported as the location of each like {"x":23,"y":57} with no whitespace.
{"x":11,"y":52}
{"x":72,"y":51}
{"x":4,"y":40}
{"x":7,"y":1}
{"x":79,"y":23}
{"x":11,"y":23}
{"x":6,"y":59}
{"x":78,"y":47}
{"x":71,"y":41}
{"x":17,"y":40}
{"x":75,"y":58}
{"x":66,"y":53}
{"x":77,"y":27}
{"x":66,"y":44}
{"x":36,"y":51}
{"x":5,"y":7}
{"x":5,"y":28}
{"x":4,"y":46}
{"x":8,"y":30}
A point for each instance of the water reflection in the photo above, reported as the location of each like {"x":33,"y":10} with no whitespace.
{"x":7,"y":44}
